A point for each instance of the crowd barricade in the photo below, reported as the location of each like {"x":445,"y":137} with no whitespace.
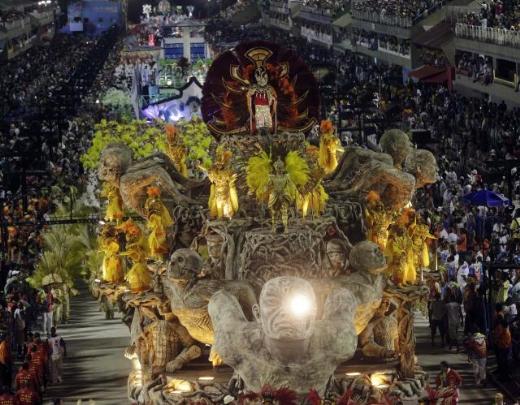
{"x":394,"y":20}
{"x":497,"y":36}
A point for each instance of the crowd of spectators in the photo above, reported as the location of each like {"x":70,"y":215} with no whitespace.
{"x":49,"y":110}
{"x":496,"y":14}
{"x":412,"y":10}
{"x":375,"y":41}
{"x":478,"y":67}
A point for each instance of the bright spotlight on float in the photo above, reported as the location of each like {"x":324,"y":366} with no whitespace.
{"x":300,"y":305}
{"x":101,"y":222}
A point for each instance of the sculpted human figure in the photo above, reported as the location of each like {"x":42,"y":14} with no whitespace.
{"x":261,"y":102}
{"x":189,"y":292}
{"x":423,"y":166}
{"x":286,"y":344}
{"x":397,"y":144}
{"x":134,"y":178}
{"x":337,"y":257}
{"x":215,"y":266}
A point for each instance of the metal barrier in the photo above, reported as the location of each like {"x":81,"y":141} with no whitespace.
{"x":496,"y":36}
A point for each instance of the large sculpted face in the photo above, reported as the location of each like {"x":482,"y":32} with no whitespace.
{"x":214,"y":243}
{"x":397,"y":144}
{"x":287,"y":308}
{"x":184,"y":264}
{"x":114,"y":161}
{"x":366,"y":256}
{"x":423,"y":166}
{"x":337,"y":254}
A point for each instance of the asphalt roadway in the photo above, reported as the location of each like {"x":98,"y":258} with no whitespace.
{"x":95,"y":367}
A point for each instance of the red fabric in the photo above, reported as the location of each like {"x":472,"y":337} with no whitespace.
{"x":261,"y":98}
{"x":27,"y":396}
{"x":8,"y":399}
{"x":451,"y":379}
{"x":24,"y":376}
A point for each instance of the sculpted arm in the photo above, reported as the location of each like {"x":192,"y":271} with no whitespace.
{"x":190,"y":352}
{"x":338,"y":320}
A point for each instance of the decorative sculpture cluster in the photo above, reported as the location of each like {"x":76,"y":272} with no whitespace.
{"x":275,"y":220}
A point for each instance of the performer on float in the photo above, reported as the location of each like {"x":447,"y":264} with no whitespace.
{"x":138,"y":277}
{"x":112,"y":268}
{"x":396,"y":256}
{"x":175,"y":149}
{"x":262,"y":103}
{"x":330,"y":145}
{"x":114,"y":210}
{"x":223,"y":197}
{"x":378,"y":219}
{"x":159,"y":220}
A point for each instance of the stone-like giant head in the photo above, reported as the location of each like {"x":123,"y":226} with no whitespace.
{"x":184,"y":264}
{"x":114,"y":162}
{"x":367,"y":257}
{"x":423,"y":166}
{"x":287,"y":309}
{"x":397,"y":144}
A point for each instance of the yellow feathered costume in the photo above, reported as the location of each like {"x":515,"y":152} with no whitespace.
{"x":114,"y":210}
{"x":112,"y":268}
{"x":330,"y":145}
{"x":159,"y":220}
{"x":176,"y":150}
{"x":278,"y":183}
{"x":223,"y":197}
{"x":313,"y":197}
{"x":138,"y":277}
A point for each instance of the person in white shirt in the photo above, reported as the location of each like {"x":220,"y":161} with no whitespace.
{"x":57,"y":350}
{"x":462,"y":276}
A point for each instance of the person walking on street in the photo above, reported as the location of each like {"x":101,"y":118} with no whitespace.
{"x":438,"y":318}
{"x":48,"y":310}
{"x":57,"y":351}
{"x":477,"y":352}
{"x":502,"y":347}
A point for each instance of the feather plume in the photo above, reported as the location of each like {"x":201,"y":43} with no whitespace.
{"x":258,"y":170}
{"x":297,"y":168}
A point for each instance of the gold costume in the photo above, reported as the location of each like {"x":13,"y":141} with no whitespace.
{"x":112,"y":267}
{"x":378,"y":220}
{"x":176,"y":150}
{"x":223,"y":198}
{"x":159,"y":220}
{"x":114,"y":210}
{"x":330,"y":145}
{"x":277,"y":184}
{"x":138,"y":277}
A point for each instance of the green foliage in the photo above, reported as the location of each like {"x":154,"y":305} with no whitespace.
{"x":197,"y":139}
{"x":143,"y":139}
{"x":68,"y":250}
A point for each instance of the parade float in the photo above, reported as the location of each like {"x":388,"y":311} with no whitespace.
{"x":288,"y":272}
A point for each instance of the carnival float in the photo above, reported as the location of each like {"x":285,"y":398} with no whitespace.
{"x":286,"y":272}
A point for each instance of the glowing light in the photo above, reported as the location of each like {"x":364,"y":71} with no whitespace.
{"x":180,"y":386}
{"x":300,"y":305}
{"x":206,"y":378}
{"x":101,"y":222}
{"x":97,"y":280}
{"x":169,"y":82}
{"x":353,"y":374}
{"x":379,"y":380}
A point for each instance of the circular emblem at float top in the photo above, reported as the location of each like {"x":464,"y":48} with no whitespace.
{"x":259,"y":87}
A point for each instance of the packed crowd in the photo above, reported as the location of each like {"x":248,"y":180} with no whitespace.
{"x":478,"y":67}
{"x":496,"y":14}
{"x":376,"y":41}
{"x":48,"y":114}
{"x":9,"y":16}
{"x":329,"y":7}
{"x":413,"y":10}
